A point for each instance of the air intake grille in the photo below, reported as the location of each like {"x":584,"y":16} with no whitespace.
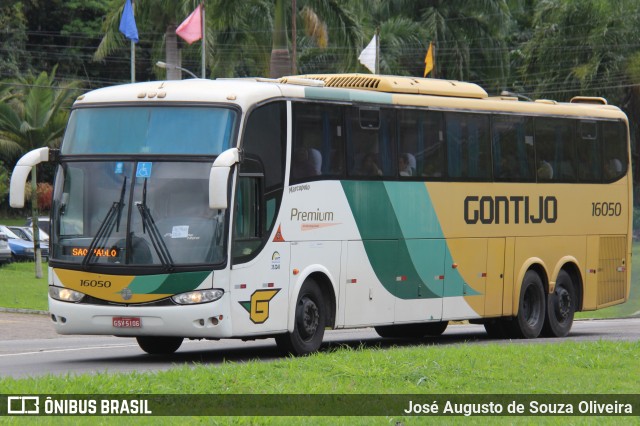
{"x":612,"y":270}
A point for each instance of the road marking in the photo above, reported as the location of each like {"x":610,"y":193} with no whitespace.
{"x":43,"y":351}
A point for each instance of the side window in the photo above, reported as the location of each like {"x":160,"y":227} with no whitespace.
{"x":589,"y":147}
{"x":468,"y":147}
{"x":615,"y":150}
{"x":421,"y":144}
{"x":247,"y":225}
{"x":555,"y":150}
{"x":370,"y":142}
{"x":318,"y":142}
{"x":513,"y":150}
{"x":261,"y":179}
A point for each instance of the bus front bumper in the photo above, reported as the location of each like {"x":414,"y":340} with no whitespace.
{"x":207,"y":320}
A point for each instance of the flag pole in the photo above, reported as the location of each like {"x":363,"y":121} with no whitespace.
{"x":204,"y":32}
{"x":133,"y":50}
{"x":377,"y":67}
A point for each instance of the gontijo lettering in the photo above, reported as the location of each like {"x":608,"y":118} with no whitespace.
{"x":515,"y":209}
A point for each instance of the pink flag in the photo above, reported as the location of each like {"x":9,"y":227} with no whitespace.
{"x":191,"y":28}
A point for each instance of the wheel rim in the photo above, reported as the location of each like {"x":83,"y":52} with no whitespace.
{"x":530,"y":306}
{"x":563,"y":304}
{"x":308,"y":319}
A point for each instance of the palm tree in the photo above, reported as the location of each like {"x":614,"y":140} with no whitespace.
{"x":324,"y":23}
{"x":587,"y":47}
{"x":242,"y":38}
{"x":152,"y":17}
{"x":33,"y":116}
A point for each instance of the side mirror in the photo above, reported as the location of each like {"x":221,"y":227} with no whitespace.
{"x":219,"y":178}
{"x":20,"y":173}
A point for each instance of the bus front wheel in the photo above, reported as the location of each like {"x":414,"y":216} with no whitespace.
{"x":309,"y":323}
{"x":561,"y":306}
{"x":531,"y":309}
{"x":159,"y":345}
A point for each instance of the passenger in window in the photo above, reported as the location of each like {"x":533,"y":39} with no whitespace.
{"x":404,"y":165}
{"x":545,"y":171}
{"x":613,"y":168}
{"x":315,"y":158}
{"x":302,"y":165}
{"x":369,"y":166}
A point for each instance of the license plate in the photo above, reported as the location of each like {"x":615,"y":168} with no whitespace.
{"x":127,"y":322}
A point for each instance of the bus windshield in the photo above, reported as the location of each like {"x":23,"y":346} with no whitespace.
{"x":149,"y":130}
{"x":136,"y":213}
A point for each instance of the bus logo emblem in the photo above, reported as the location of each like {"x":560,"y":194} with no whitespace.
{"x":258,"y":306}
{"x":126,"y":293}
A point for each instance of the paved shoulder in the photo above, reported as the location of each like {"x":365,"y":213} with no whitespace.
{"x":21,"y":326}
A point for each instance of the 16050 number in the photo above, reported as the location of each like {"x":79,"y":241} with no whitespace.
{"x":606,"y":209}
{"x":95,"y":283}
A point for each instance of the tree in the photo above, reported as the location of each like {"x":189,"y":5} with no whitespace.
{"x":34,"y":117}
{"x":242,"y":38}
{"x":322,"y":21}
{"x":13,"y":37}
{"x":587,"y":47}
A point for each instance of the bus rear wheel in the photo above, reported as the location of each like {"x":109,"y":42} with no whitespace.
{"x":561,"y":306}
{"x":309,"y":323}
{"x":531,"y":309}
{"x":159,"y":345}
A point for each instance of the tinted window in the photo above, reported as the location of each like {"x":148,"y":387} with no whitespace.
{"x":370,"y":150}
{"x":468,"y":149}
{"x":513,"y":151}
{"x":555,"y":150}
{"x":318,"y":142}
{"x":615,"y":150}
{"x":589,"y":147}
{"x":421,"y":144}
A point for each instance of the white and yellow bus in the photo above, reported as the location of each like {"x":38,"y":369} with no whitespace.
{"x":254,"y":208}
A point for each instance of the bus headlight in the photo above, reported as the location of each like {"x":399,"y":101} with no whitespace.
{"x":195,"y":297}
{"x":65,"y":294}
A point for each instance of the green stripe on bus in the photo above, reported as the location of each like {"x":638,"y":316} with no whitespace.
{"x":406,"y":251}
{"x":168,"y":283}
{"x":347,"y":95}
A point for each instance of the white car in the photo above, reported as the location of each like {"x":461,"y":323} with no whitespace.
{"x":5,"y":250}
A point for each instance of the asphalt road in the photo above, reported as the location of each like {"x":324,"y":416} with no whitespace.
{"x":30,"y":347}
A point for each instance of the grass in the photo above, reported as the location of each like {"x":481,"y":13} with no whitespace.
{"x":563,"y":368}
{"x":20,"y":288}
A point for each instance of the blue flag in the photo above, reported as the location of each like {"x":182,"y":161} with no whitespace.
{"x":128,"y":23}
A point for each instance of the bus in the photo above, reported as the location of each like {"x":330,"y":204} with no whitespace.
{"x":278,"y":208}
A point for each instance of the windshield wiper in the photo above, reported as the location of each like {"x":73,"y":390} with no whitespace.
{"x":110,"y":221}
{"x":154,"y":234}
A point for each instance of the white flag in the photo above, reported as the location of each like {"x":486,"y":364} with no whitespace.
{"x":368,"y":55}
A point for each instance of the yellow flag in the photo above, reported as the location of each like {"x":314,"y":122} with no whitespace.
{"x":428,"y":60}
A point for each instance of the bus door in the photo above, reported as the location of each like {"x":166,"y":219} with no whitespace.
{"x":259,"y":278}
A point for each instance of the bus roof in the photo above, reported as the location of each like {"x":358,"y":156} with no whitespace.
{"x":364,"y":88}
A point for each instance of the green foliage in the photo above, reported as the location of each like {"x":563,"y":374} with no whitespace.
{"x":4,"y":184}
{"x":13,"y":37}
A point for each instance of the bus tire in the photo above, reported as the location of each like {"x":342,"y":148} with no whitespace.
{"x":561,"y":306}
{"x":531,"y":308}
{"x":159,"y":345}
{"x":309,"y":323}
